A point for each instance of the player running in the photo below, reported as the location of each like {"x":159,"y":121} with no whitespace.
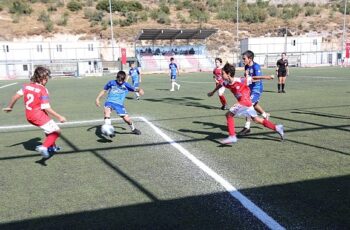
{"x":256,"y":88}
{"x":244,"y":107}
{"x":38,"y":109}
{"x":217,"y":75}
{"x":174,"y":72}
{"x":116,"y":92}
{"x":135,"y":75}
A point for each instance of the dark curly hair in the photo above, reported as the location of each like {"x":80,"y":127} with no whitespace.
{"x":40,"y":73}
{"x":229,"y":69}
{"x":121,"y":75}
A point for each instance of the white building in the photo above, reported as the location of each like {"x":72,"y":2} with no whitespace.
{"x":301,"y":51}
{"x":18,"y":59}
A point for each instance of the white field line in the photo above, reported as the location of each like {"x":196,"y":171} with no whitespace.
{"x":8,"y":85}
{"x":255,"y":210}
{"x":248,"y":204}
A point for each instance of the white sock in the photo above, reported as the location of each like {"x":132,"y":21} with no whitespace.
{"x":264,"y":115}
{"x":247,"y":125}
{"x":172,"y":85}
{"x":137,"y":94}
{"x":108,"y":121}
{"x":132,"y":127}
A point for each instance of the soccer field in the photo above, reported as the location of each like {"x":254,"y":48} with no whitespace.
{"x":177,"y":175}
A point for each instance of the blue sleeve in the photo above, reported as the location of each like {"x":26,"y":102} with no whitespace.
{"x":130,"y":72}
{"x":129,"y":87}
{"x":175,"y":65}
{"x":257,"y":70}
{"x":107,"y":86}
{"x":169,"y":66}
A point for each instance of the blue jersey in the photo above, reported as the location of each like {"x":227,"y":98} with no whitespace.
{"x":135,"y":75}
{"x":255,"y":70}
{"x":117,"y":92}
{"x":173,"y":69}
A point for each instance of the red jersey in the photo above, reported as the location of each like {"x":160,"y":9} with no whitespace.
{"x":241,"y":91}
{"x":218,"y":75}
{"x":36,"y":99}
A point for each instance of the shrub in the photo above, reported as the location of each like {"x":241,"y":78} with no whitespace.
{"x":20,"y":7}
{"x":73,"y":6}
{"x":272,"y":11}
{"x":120,"y":6}
{"x":43,"y":16}
{"x":63,"y":21}
{"x":49,"y":25}
{"x":93,"y":15}
{"x":163,"y":18}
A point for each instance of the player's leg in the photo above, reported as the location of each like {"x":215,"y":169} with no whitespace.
{"x":127,"y":120}
{"x":236,"y":109}
{"x":136,"y":86}
{"x":172,"y":79}
{"x":279,"y":82}
{"x":107,"y":113}
{"x":222,"y":98}
{"x":270,"y":125}
{"x":52,"y":132}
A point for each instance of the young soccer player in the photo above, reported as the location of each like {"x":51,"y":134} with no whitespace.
{"x":116,"y":92}
{"x":174,"y":72}
{"x":135,"y":75}
{"x":38,"y":109}
{"x":217,"y":75}
{"x":256,"y":88}
{"x":244,"y":107}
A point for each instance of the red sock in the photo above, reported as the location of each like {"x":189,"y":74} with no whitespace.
{"x":268,"y":124}
{"x":50,"y":139}
{"x":222,"y":100}
{"x":231,"y":125}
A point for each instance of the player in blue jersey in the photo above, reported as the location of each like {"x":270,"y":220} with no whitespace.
{"x":135,"y":75}
{"x":116,"y":92}
{"x":256,"y":88}
{"x":174,"y":72}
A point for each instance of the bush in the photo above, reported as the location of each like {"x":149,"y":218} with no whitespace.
{"x":120,"y":6}
{"x":309,"y":11}
{"x":272,"y":11}
{"x":43,"y":16}
{"x":93,"y":15}
{"x":73,"y":6}
{"x":49,"y":25}
{"x":20,"y":7}
{"x":63,"y":21}
{"x":164,"y":8}
{"x":163,"y":18}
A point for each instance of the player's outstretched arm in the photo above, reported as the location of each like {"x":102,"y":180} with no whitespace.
{"x":12,"y":103}
{"x":267,"y":77}
{"x":216,"y":89}
{"x":59,"y":117}
{"x":97,"y":101}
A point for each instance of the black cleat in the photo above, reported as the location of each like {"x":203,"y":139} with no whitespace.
{"x":224,"y":107}
{"x":283,"y":91}
{"x":136,"y":131}
{"x":243,"y":132}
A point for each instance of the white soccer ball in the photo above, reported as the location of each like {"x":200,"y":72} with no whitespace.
{"x":107,"y":130}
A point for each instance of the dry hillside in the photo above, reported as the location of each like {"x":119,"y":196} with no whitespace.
{"x":50,"y":17}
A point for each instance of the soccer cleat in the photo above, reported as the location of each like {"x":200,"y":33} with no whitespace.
{"x":279,"y":91}
{"x":243,"y":132}
{"x":283,"y":91}
{"x":43,"y":151}
{"x":111,"y":135}
{"x":178,"y":87}
{"x":136,"y":131}
{"x":138,"y":98}
{"x":229,"y":140}
{"x":267,"y":116}
{"x":280,"y":130}
{"x":224,"y":107}
{"x":54,"y":149}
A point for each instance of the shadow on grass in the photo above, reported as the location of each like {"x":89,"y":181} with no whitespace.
{"x":185,"y":101}
{"x":312,"y":204}
{"x":30,"y":144}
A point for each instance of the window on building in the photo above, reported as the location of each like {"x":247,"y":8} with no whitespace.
{"x":25,"y":67}
{"x":91,"y":47}
{"x":6,"y":48}
{"x":314,"y":42}
{"x":293,"y":42}
{"x":39,"y":48}
{"x":59,"y":48}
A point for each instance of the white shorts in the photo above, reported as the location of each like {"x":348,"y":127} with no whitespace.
{"x":221,"y":91}
{"x":243,"y":111}
{"x":50,"y":127}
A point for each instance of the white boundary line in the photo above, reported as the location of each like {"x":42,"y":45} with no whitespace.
{"x":8,"y":85}
{"x":248,"y":204}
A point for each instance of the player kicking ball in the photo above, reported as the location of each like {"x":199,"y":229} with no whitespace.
{"x":38,"y":109}
{"x":116,"y":92}
{"x":240,"y":89}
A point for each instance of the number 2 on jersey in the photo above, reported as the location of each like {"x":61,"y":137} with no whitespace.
{"x":30,"y":98}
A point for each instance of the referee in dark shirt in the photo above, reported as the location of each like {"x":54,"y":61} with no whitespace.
{"x":282,"y":72}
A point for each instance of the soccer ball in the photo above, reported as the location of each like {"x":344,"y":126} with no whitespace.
{"x":108,"y":130}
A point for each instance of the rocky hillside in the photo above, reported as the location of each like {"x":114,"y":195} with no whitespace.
{"x":90,"y":18}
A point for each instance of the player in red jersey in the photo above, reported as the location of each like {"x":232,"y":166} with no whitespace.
{"x":217,"y":75}
{"x":240,"y":89}
{"x":37,"y":109}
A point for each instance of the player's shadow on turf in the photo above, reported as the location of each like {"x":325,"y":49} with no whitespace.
{"x":98,"y":133}
{"x":270,"y":91}
{"x":329,"y":115}
{"x":185,"y":101}
{"x":29,"y":144}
